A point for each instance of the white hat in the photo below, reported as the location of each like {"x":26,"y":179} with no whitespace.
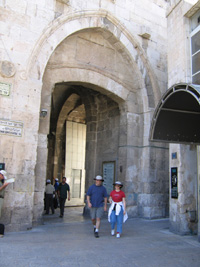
{"x":118,"y":183}
{"x":99,"y":178}
{"x":48,"y":181}
{"x":3,"y":173}
{"x":56,"y":179}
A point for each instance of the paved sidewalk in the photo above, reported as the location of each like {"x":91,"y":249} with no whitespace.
{"x":70,"y":241}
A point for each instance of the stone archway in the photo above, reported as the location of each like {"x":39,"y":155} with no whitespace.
{"x":100,"y":114}
{"x":128,"y":90}
{"x":175,"y":121}
{"x":113,"y":31}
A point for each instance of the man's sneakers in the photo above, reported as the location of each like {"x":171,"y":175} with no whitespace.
{"x":118,"y":235}
{"x":96,"y":234}
{"x":113,"y":232}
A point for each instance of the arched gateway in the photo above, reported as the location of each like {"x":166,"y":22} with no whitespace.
{"x":95,"y":77}
{"x":176,"y":120}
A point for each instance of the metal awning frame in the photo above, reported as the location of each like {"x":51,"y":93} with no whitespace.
{"x":191,"y":89}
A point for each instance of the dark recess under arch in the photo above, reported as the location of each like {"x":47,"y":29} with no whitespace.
{"x":177,"y":117}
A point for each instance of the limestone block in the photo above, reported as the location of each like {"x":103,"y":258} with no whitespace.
{"x":31,"y":9}
{"x":20,"y":101}
{"x":40,"y":170}
{"x":132,"y":171}
{"x":18,"y":200}
{"x":42,"y":141}
{"x":6,"y":215}
{"x":18,"y":150}
{"x":5,"y":113}
{"x":16,"y":166}
{"x":132,"y":211}
{"x":28,"y":167}
{"x":33,"y":103}
{"x":158,"y":212}
{"x":131,"y":198}
{"x":37,"y":214}
{"x":40,"y":4}
{"x":19,"y":6}
{"x":21,"y":215}
{"x":146,"y":212}
{"x":24,"y":183}
{"x":30,"y":137}
{"x":42,"y":155}
{"x":40,"y":185}
{"x":123,"y":137}
{"x":150,"y":200}
{"x":121,"y":12}
{"x":39,"y":196}
{"x":45,"y":16}
{"x":7,"y":150}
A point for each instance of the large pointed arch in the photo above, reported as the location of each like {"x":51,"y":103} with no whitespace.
{"x":65,"y":26}
{"x":177,"y":116}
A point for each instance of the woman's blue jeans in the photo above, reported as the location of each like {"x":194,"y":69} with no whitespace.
{"x":117,"y":219}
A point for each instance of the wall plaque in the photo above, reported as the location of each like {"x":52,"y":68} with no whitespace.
{"x":174,"y":182}
{"x":13,"y":128}
{"x":109,"y":175}
{"x":5,"y":89}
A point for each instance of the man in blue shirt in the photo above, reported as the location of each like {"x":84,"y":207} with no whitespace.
{"x":97,"y":202}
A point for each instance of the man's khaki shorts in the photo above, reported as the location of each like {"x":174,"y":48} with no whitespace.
{"x":96,"y":212}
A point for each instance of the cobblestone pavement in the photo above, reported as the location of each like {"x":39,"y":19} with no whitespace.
{"x":70,"y":241}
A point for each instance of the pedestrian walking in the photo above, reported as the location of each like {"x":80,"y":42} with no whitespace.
{"x":3,"y":185}
{"x":97,"y":202}
{"x":117,"y":212}
{"x":56,"y":185}
{"x":63,"y":189}
{"x":49,"y":191}
{"x":56,"y":198}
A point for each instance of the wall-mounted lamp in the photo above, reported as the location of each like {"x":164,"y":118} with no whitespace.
{"x":43,"y":113}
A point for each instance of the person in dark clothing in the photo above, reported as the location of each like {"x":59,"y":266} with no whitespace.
{"x":49,"y":190}
{"x":62,"y":193}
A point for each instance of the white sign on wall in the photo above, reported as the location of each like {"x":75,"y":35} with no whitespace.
{"x":5,"y":89}
{"x":13,"y":128}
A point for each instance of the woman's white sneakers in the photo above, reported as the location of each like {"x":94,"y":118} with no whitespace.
{"x":112,"y":232}
{"x":118,"y":235}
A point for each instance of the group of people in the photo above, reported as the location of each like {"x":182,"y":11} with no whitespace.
{"x":97,"y":199}
{"x":97,"y":202}
{"x":58,"y":193}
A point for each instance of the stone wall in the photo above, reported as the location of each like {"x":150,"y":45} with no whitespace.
{"x":134,"y":36}
{"x":183,"y":211}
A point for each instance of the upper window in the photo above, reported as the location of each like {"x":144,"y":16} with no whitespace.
{"x":195,"y":48}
